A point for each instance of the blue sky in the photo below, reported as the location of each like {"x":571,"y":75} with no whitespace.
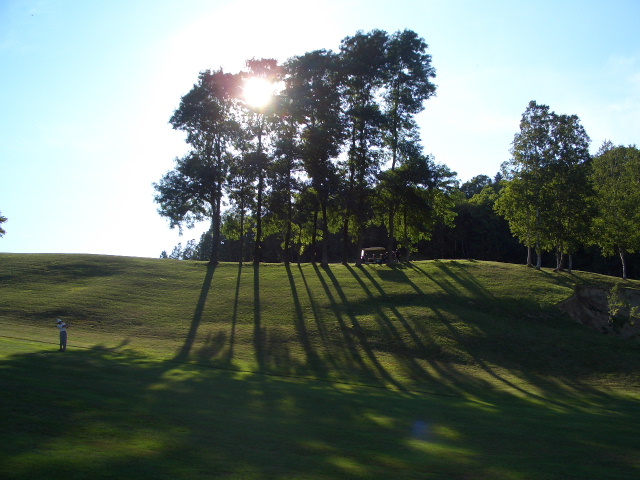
{"x":88,"y":89}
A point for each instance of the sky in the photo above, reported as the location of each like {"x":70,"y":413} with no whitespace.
{"x":87,"y":90}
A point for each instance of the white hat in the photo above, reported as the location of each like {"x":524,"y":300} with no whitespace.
{"x":58,"y":320}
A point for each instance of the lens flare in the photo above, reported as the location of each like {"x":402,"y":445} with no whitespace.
{"x":258,"y":91}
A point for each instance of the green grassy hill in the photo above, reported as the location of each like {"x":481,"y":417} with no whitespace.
{"x":439,"y":369}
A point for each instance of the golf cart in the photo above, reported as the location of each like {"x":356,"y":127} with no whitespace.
{"x":374,"y":255}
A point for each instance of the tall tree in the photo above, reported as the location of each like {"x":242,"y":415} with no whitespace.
{"x":364,"y":67}
{"x":615,"y":175}
{"x":544,"y":202}
{"x":408,"y":85}
{"x":312,"y":89}
{"x":242,"y":198}
{"x":526,"y":201}
{"x":284,"y":183}
{"x":571,"y":215}
{"x":259,"y":122}
{"x":193,"y":190}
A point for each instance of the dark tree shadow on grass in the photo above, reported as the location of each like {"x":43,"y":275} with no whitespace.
{"x":184,"y":352}
{"x":259,"y":335}
{"x":100,"y":414}
{"x":234,"y":316}
{"x":314,"y":362}
{"x":358,"y":332}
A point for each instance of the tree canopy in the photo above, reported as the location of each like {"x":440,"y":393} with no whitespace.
{"x":338,"y":121}
{"x":321,"y":156}
{"x":615,"y":174}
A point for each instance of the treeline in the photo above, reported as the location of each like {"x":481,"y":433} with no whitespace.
{"x":334,"y":163}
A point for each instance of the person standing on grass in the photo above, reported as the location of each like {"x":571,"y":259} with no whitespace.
{"x":63,"y":334}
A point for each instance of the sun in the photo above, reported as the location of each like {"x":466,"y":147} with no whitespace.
{"x":258,"y":91}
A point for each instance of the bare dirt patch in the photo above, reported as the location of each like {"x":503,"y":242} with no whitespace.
{"x":592,"y":306}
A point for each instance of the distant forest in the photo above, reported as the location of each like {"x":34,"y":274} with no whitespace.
{"x":331,"y":162}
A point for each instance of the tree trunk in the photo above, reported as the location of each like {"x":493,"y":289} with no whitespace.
{"x":406,"y":237}
{"x":299,"y":248}
{"x":390,"y":256}
{"x":559,"y":259}
{"x":241,"y":236}
{"x":623,"y":259}
{"x":345,"y":239}
{"x":394,"y":158}
{"x":570,"y":263}
{"x":325,"y":237}
{"x":314,"y":235}
{"x":539,"y":261}
{"x":287,"y":235}
{"x":287,"y":244}
{"x":215,"y":231}
{"x":256,"y":255}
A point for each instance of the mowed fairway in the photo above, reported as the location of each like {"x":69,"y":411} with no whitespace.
{"x":439,"y":369}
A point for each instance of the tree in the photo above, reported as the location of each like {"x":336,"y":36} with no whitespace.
{"x":423,"y":190}
{"x":480,"y":233}
{"x":615,"y":174}
{"x":259,"y":122}
{"x":242,"y":197}
{"x":408,"y":85}
{"x":193,"y":190}
{"x":475,"y":185}
{"x":544,"y":199}
{"x":314,"y":101}
{"x":2,"y":220}
{"x":514,"y":204}
{"x":570,"y":189}
{"x":363,"y":73}
{"x":305,"y":221}
{"x":524,"y":201}
{"x":285,"y":183}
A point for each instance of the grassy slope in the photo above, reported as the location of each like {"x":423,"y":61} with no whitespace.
{"x":483,"y":376}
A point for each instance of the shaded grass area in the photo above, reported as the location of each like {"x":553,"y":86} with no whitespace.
{"x":427,"y":370}
{"x":100,"y":414}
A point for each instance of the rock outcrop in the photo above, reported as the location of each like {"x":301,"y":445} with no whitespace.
{"x":590,"y":305}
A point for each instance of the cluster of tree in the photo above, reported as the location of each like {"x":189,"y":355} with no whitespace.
{"x":334,"y":163}
{"x":335,"y":153}
{"x":479,"y":232}
{"x":558,"y":198}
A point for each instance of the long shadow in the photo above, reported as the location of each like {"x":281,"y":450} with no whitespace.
{"x":429,"y":353}
{"x":322,"y":330}
{"x":352,"y":348}
{"x":313,"y":360}
{"x":416,"y":339}
{"x":359,"y":332}
{"x":183,"y":353}
{"x":234,"y":317}
{"x":448,"y":286}
{"x":460,"y":383}
{"x":539,"y":381}
{"x":258,"y":333}
{"x":464,"y":278}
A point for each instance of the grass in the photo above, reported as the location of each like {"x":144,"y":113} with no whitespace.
{"x":450,"y":369}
